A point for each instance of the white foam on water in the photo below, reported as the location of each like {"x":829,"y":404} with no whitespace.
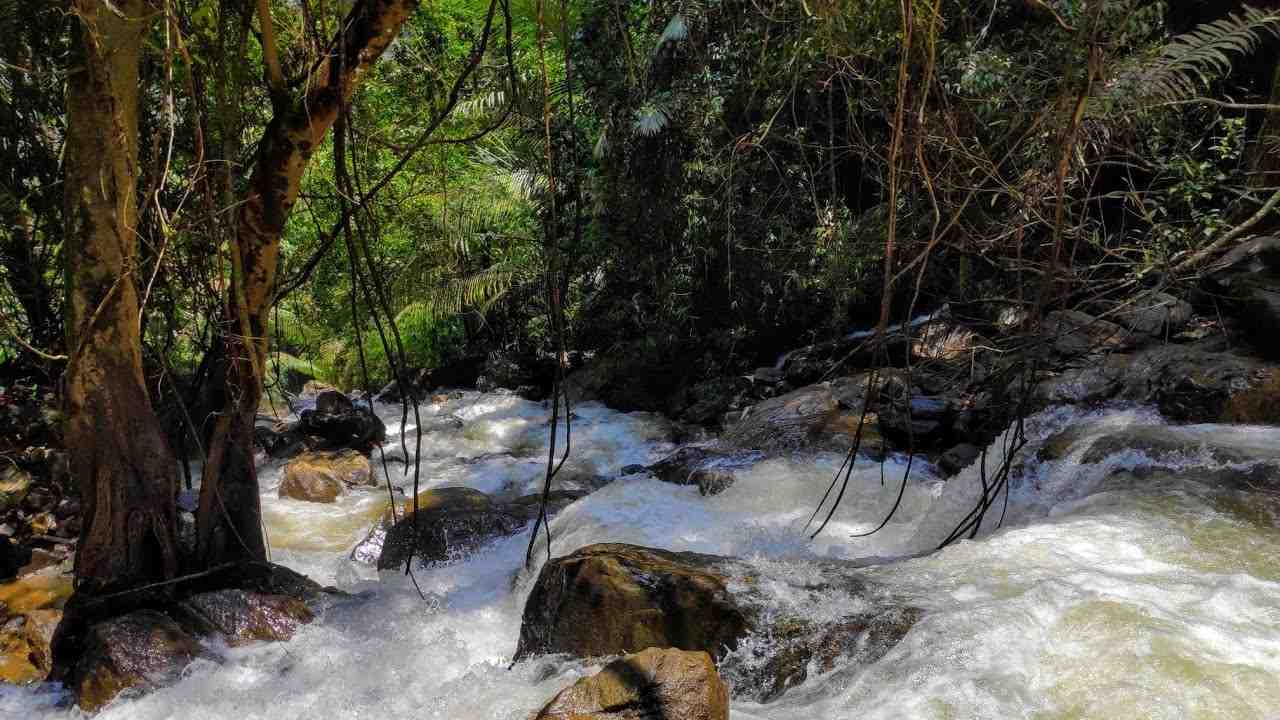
{"x":1110,"y":596}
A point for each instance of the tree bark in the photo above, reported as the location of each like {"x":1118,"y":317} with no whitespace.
{"x":229,"y":517}
{"x":127,"y":474}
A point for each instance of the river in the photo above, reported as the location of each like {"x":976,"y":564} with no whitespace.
{"x":1132,"y":582}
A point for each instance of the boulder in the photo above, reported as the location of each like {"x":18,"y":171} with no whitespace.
{"x":916,"y":421}
{"x":1072,"y":333}
{"x":239,"y":617}
{"x":25,"y":646}
{"x":142,"y":650}
{"x":1189,"y":385}
{"x":323,"y":476}
{"x":453,"y":520}
{"x":357,"y":429}
{"x":1156,"y":313}
{"x":280,"y":440}
{"x":1249,"y":277}
{"x":656,"y":683}
{"x":786,"y":422}
{"x":612,"y":599}
{"x":958,"y":458}
{"x":708,"y":466}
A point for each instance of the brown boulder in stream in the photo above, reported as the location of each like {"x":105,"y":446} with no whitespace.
{"x":656,"y":683}
{"x":323,"y":476}
{"x":612,"y":599}
{"x":144,"y":650}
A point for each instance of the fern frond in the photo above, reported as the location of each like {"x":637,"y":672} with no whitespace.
{"x":652,"y":117}
{"x":447,"y":299}
{"x":1193,"y":60}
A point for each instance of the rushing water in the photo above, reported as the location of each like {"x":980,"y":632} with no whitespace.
{"x":1134,"y":583}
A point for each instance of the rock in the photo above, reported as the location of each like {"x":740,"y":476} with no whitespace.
{"x":690,"y":463}
{"x":448,"y":498}
{"x":139,"y":651}
{"x":1259,"y":405}
{"x":15,"y":483}
{"x":239,"y":617}
{"x":445,"y":533}
{"x":1088,"y":385}
{"x":280,"y":440}
{"x":656,"y":683}
{"x":958,"y":458}
{"x":357,"y":429}
{"x":463,"y":519}
{"x":708,"y":400}
{"x":323,"y":476}
{"x":612,"y":599}
{"x":917,"y":422}
{"x":786,"y":422}
{"x":1072,"y":333}
{"x":1249,"y":276}
{"x":631,"y":470}
{"x":945,"y":340}
{"x":1158,"y":313}
{"x":25,"y":646}
{"x":1189,"y":385}
{"x":711,"y":481}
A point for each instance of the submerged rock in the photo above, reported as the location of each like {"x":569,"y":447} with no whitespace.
{"x":656,"y":683}
{"x":323,"y":476}
{"x":452,"y":522}
{"x":710,"y":467}
{"x":239,"y":617}
{"x":611,"y":599}
{"x":142,"y":650}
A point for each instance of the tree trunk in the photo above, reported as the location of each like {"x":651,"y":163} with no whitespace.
{"x":126,"y":472}
{"x":229,"y":517}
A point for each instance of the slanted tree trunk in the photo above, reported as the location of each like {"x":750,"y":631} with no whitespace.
{"x":126,"y":472}
{"x":229,"y":518}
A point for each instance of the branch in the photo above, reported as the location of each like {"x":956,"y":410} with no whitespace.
{"x":1227,"y":238}
{"x":275,"y":77}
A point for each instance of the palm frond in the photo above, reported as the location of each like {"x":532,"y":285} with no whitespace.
{"x":443,"y":301}
{"x":1195,"y":59}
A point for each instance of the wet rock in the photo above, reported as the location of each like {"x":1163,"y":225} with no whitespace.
{"x":357,"y":429}
{"x":280,"y":440}
{"x":1249,"y":277}
{"x":683,"y":466}
{"x":323,"y":476}
{"x":465,"y":519}
{"x":1190,"y":385}
{"x":916,"y":421}
{"x":786,"y":422}
{"x":447,"y":531}
{"x":632,"y":469}
{"x":1259,"y":405}
{"x":1088,"y":385}
{"x":798,"y":645}
{"x":239,"y":617}
{"x":1158,"y":313}
{"x":655,"y":683}
{"x":958,"y":458}
{"x":139,"y":651}
{"x":25,"y":646}
{"x":1072,"y":333}
{"x":611,"y":599}
{"x":711,"y":481}
{"x":15,"y":483}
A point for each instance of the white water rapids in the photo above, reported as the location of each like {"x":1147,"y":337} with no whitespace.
{"x":1112,"y":591}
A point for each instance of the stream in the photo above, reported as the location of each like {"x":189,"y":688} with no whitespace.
{"x":1129,"y":580}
